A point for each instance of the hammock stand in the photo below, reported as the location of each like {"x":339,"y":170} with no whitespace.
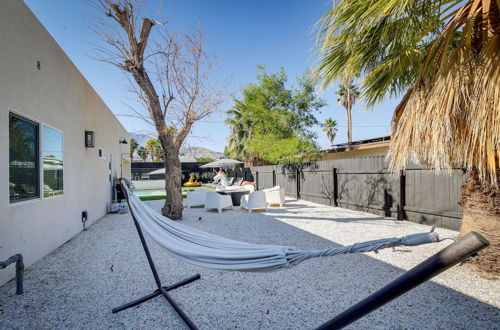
{"x":409,"y":240}
{"x":161,"y":290}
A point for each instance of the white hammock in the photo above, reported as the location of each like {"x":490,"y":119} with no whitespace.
{"x":206,"y":250}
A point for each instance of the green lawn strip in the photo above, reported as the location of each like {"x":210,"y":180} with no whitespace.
{"x":184,"y":189}
{"x":152,"y":198}
{"x":155,"y":197}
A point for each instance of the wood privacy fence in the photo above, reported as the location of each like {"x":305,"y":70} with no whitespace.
{"x":363,"y":183}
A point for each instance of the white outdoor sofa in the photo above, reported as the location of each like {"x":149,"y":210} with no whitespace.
{"x":217,"y":201}
{"x":196,"y":197}
{"x":255,"y":200}
{"x":275,"y":195}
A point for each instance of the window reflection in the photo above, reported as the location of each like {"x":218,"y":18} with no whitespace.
{"x":52,"y":162}
{"x":23,"y":159}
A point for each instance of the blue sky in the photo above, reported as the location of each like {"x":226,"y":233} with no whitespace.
{"x":242,"y":34}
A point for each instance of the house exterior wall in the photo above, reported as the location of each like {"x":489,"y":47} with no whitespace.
{"x":59,"y":96}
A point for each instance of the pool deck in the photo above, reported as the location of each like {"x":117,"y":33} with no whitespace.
{"x":77,"y":285}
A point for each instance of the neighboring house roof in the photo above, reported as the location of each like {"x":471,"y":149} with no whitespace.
{"x":361,"y":144}
{"x":182,"y":159}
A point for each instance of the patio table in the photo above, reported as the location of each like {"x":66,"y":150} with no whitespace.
{"x":235,"y":195}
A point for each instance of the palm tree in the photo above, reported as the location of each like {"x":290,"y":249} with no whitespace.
{"x":348,"y":94}
{"x":444,"y":56}
{"x":133,"y":147}
{"x":330,"y":128}
{"x":154,"y":149}
{"x":143,"y":153}
{"x":241,"y":131}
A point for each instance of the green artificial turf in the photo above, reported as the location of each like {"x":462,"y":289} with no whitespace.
{"x":184,"y":189}
{"x":155,"y":197}
{"x":152,"y":198}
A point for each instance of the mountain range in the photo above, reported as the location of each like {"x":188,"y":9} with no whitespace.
{"x":186,"y":151}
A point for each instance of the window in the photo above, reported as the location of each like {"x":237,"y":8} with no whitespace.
{"x":24,"y":174}
{"x":52,"y":161}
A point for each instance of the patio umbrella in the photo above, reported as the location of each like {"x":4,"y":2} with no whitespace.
{"x":158,"y":171}
{"x":223,"y":162}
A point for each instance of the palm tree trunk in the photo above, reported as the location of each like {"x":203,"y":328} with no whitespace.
{"x":173,"y":203}
{"x":481,"y":213}
{"x":349,"y":124}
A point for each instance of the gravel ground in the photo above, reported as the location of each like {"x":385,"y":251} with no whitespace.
{"x":77,"y":285}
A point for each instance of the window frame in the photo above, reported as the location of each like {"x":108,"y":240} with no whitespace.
{"x":40,"y":124}
{"x":41,"y":158}
{"x":38,"y":154}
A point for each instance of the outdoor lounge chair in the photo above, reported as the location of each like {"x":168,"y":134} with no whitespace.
{"x":217,"y":201}
{"x":195,"y":198}
{"x":249,"y":187}
{"x":255,"y":200}
{"x":275,"y":195}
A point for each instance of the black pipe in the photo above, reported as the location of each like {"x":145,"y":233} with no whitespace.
{"x":457,"y":252}
{"x":18,"y":259}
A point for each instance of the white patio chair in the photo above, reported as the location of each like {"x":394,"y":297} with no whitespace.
{"x":217,"y":201}
{"x":195,"y":198}
{"x":255,"y":200}
{"x":249,"y":187}
{"x":275,"y":195}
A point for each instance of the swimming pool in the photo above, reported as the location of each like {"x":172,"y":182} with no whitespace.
{"x":152,"y":192}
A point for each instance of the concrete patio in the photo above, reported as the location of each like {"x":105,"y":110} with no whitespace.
{"x":77,"y":285}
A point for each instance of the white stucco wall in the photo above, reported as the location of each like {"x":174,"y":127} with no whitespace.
{"x":57,"y":95}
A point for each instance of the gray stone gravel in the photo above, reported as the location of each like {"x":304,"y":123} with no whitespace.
{"x":77,"y":285}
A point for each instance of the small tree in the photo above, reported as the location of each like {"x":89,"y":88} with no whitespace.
{"x":270,"y":123}
{"x":133,"y":147}
{"x":330,"y":128}
{"x":171,"y":75}
{"x":143,"y":153}
{"x":204,"y":159}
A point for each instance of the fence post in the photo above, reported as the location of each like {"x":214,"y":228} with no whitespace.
{"x":335,"y":187}
{"x":256,"y":180}
{"x":402,"y":197}
{"x":274,"y":178}
{"x":298,"y":183}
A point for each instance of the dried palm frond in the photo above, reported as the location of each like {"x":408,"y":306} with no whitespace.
{"x":451,"y":117}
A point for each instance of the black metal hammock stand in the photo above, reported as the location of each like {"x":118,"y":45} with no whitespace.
{"x":455,"y":253}
{"x":160,"y":290}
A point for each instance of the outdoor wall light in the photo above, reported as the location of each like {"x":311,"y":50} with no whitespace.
{"x":89,"y":139}
{"x":123,"y":141}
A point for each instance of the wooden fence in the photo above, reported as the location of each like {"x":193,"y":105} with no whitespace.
{"x":363,"y":183}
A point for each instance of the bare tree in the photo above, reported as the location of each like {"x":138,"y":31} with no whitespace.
{"x":170,"y":77}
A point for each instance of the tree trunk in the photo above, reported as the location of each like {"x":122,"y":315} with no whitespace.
{"x":349,"y":125}
{"x":173,"y":203}
{"x":481,"y":213}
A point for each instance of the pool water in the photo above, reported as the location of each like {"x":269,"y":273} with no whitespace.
{"x":149,"y":192}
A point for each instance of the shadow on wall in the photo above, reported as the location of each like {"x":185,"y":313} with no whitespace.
{"x":291,"y":171}
{"x":374,"y":191}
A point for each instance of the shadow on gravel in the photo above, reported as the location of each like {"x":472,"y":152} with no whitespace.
{"x":77,"y":285}
{"x":345,"y":220}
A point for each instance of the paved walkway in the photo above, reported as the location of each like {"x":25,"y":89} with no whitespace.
{"x":78,"y":284}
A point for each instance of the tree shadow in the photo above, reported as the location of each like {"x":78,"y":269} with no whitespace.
{"x":366,"y":194}
{"x":301,"y":297}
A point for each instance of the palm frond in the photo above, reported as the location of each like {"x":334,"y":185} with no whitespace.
{"x":451,"y":117}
